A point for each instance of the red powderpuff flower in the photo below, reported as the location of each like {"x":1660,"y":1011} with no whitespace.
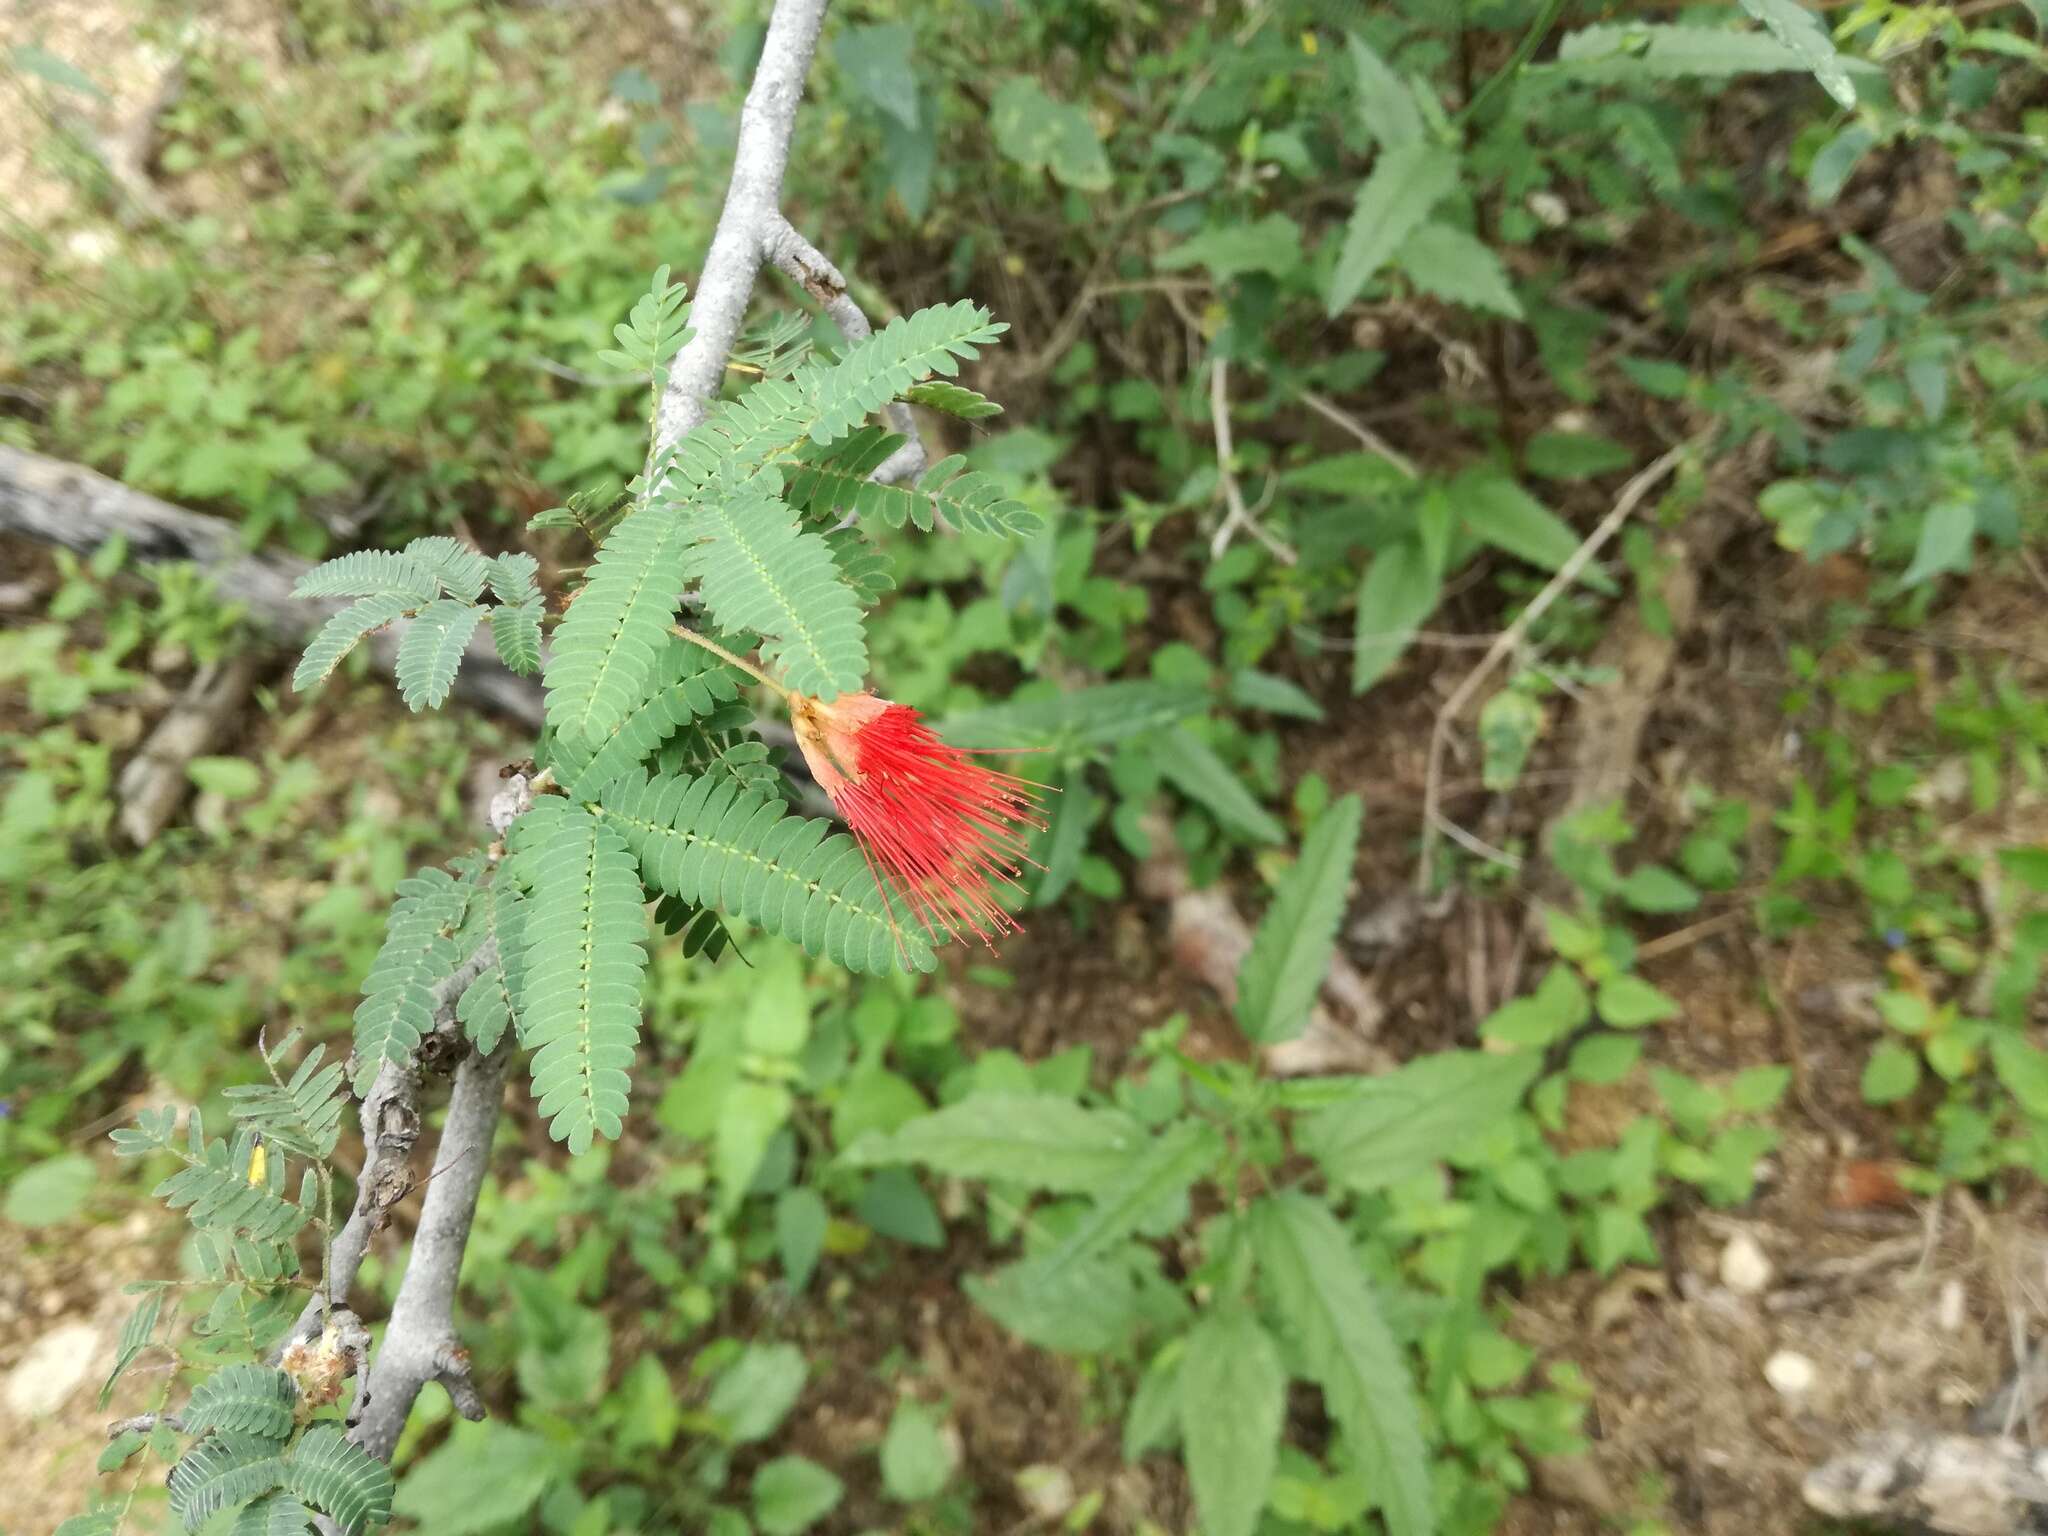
{"x":941,"y":830}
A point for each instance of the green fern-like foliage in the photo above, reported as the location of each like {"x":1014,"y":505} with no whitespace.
{"x":391,"y":585}
{"x":777,"y":346}
{"x":339,"y":1478}
{"x":583,"y":968}
{"x":835,"y":481}
{"x":301,"y":1116}
{"x":135,"y":1336}
{"x":510,"y":577}
{"x":432,"y":650}
{"x":618,"y":626}
{"x":496,"y":998}
{"x":461,"y":571}
{"x":739,"y":436}
{"x":953,"y":399}
{"x":275,"y":1514}
{"x":215,"y":1192}
{"x":223,"y":1472}
{"x":710,"y":747}
{"x":653,"y":333}
{"x":905,"y":352}
{"x":762,"y":573}
{"x":345,"y":630}
{"x":245,"y":1399}
{"x":711,"y":844}
{"x":515,"y":630}
{"x":418,"y":954}
{"x":371,"y":573}
{"x":864,"y":568}
{"x":826,"y":401}
{"x":687,"y":682}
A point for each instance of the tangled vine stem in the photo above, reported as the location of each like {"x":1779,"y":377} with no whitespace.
{"x":419,"y":1343}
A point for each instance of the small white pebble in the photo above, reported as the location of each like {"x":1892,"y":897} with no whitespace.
{"x":91,"y":247}
{"x":1047,"y":1490}
{"x":1745,"y":1268}
{"x":1948,"y":1311}
{"x":1789,"y":1373}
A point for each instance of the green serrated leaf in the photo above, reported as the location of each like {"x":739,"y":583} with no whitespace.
{"x":1160,"y":1174}
{"x":1030,"y":1139}
{"x":1807,"y":37}
{"x":1043,"y":134}
{"x":1192,"y":767}
{"x":1290,"y":953}
{"x":1392,"y":1127}
{"x":1406,"y":182}
{"x":1319,"y":1295}
{"x":1398,"y":592}
{"x":1233,"y":1392}
{"x":1447,"y":263}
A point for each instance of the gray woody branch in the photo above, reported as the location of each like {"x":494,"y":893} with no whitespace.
{"x":752,"y":230}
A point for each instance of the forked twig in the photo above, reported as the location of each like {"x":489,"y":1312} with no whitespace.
{"x":1434,"y":822}
{"x":1239,"y":515}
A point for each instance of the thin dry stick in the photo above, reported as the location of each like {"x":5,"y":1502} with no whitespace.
{"x":1370,"y":439}
{"x":1240,"y":515}
{"x":1670,"y":943}
{"x":1434,"y":822}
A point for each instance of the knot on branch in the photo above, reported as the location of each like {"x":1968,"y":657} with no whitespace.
{"x":452,"y":1370}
